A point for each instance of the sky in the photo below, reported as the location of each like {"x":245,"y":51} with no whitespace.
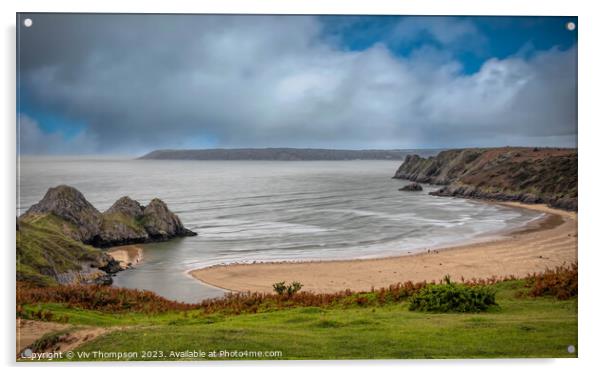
{"x":129,"y":84}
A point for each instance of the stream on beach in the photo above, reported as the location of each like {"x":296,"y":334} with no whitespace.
{"x":256,"y":211}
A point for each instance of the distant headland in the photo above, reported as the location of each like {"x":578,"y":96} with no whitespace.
{"x":285,"y":154}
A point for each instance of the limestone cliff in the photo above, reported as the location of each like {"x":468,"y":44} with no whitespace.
{"x":57,"y":238}
{"x":125,"y":222}
{"x":530,"y":175}
{"x":84,"y":221}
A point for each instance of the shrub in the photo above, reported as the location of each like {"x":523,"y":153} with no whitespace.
{"x":561,"y":283}
{"x":293,"y":288}
{"x":453,"y":297}
{"x":290,"y":289}
{"x":279,"y":288}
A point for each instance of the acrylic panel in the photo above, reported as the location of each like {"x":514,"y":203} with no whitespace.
{"x":251,"y":187}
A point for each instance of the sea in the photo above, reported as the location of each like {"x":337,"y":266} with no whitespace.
{"x":261,"y":211}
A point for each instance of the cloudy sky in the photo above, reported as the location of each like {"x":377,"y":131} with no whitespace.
{"x":128,"y":84}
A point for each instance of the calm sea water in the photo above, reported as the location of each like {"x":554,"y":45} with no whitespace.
{"x":248,"y":211}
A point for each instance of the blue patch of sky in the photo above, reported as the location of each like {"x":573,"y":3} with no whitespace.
{"x":498,"y":37}
{"x":49,"y":121}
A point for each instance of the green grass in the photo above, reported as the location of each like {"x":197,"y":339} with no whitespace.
{"x":43,"y":249}
{"x":517,"y":327}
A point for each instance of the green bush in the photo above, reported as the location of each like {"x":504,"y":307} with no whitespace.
{"x":293,"y":288}
{"x":453,"y":297}
{"x":281,"y":288}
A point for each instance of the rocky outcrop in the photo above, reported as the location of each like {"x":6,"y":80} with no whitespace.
{"x":529,"y":175}
{"x":98,"y":272}
{"x":122,"y":224}
{"x":125,"y":222}
{"x":442,"y":169}
{"x":69,"y":204}
{"x":117,"y":230}
{"x":160,"y":223}
{"x":126,"y":206}
{"x":128,"y":222}
{"x":414,"y":186}
{"x":58,"y":238}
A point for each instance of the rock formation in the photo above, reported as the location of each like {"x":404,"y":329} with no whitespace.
{"x":126,"y":206}
{"x":160,"y":223}
{"x":125,"y":222}
{"x":530,"y":175}
{"x":58,"y":236}
{"x":122,"y":224}
{"x":69,"y":204}
{"x":414,"y":186}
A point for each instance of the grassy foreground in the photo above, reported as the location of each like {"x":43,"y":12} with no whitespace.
{"x":517,"y":327}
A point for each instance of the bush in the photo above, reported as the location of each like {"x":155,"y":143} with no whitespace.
{"x":453,"y":297}
{"x":290,"y":289}
{"x":293,"y":288}
{"x":561,"y":283}
{"x":279,"y":288}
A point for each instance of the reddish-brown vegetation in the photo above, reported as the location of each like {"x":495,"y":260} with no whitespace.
{"x":252,"y":302}
{"x":560,"y":283}
{"x":98,"y":297}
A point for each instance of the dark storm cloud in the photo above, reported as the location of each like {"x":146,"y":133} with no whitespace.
{"x":144,"y":82}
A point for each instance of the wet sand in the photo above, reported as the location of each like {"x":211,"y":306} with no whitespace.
{"x":545,"y":243}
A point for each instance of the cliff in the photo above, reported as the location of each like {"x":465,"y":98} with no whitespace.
{"x":530,"y":175}
{"x":284,"y":154}
{"x":127,"y":222}
{"x":57,"y":238}
{"x":82,"y":220}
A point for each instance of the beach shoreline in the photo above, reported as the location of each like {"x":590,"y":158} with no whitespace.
{"x":547,"y":242}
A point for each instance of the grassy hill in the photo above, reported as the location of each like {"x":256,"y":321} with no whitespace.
{"x":44,"y":251}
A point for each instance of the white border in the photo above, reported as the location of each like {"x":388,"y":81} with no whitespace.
{"x":589,"y":169}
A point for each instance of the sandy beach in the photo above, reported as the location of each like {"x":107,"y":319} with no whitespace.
{"x":545,"y":243}
{"x":127,"y":256}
